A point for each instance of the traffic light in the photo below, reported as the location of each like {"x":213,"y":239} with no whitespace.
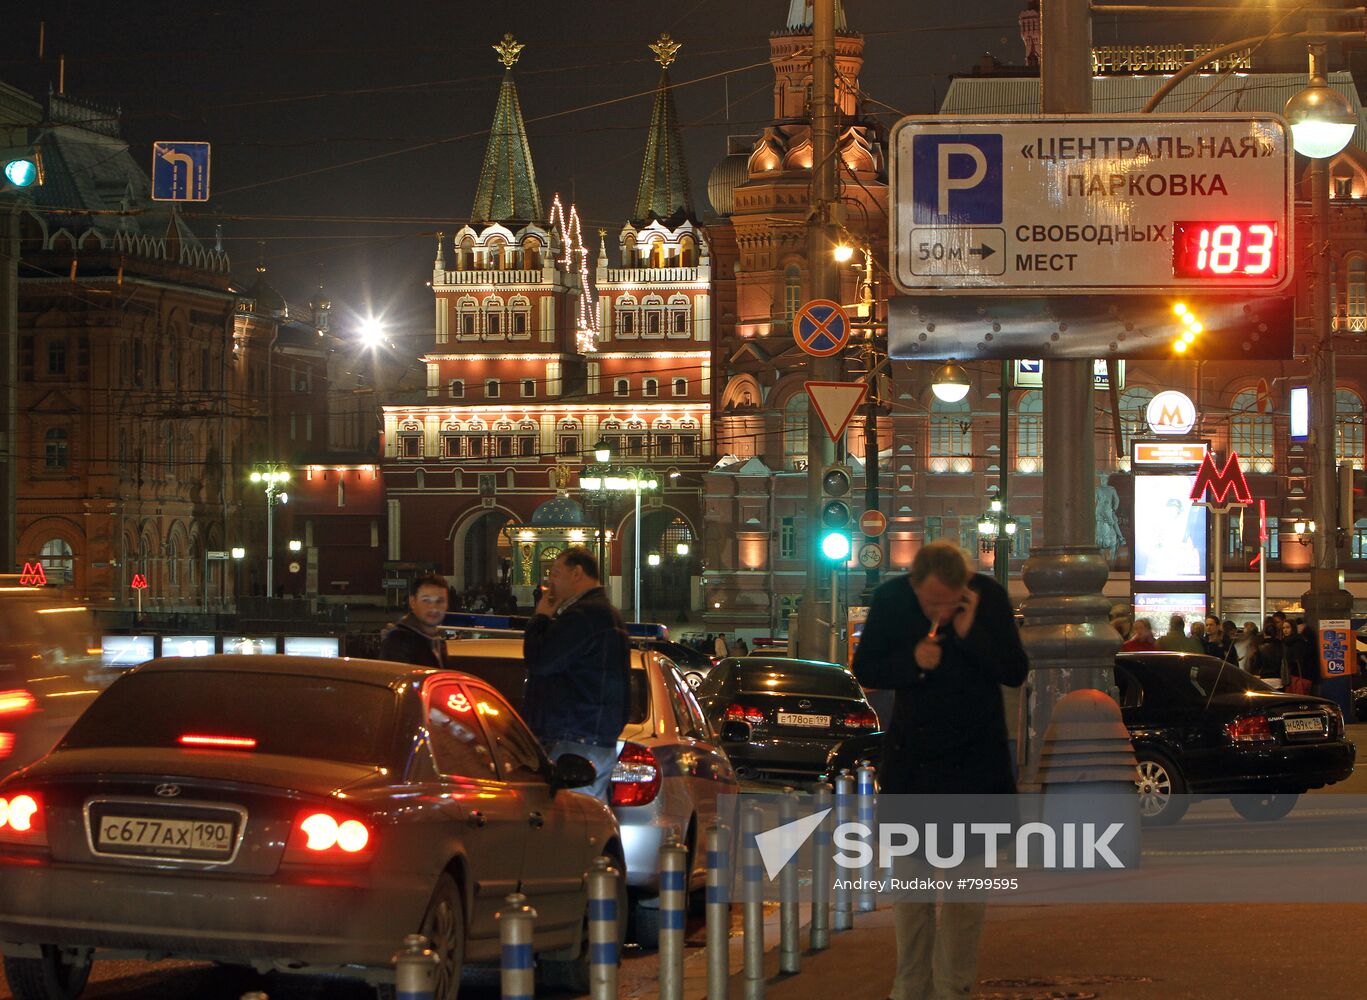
{"x":23,"y":167}
{"x":835,"y":513}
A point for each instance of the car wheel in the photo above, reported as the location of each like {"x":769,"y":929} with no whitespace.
{"x":1162,"y":792}
{"x":645,"y":922}
{"x":694,"y":679}
{"x":1263,"y":808}
{"x":572,"y":975}
{"x":444,"y":928}
{"x":54,"y":976}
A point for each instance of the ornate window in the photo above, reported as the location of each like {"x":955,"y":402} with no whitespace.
{"x":491,"y":388}
{"x":493,"y":318}
{"x":1357,"y":294}
{"x":59,"y":562}
{"x":681,"y":387}
{"x":621,"y":387}
{"x":688,"y":252}
{"x":1348,"y":416}
{"x":626,"y":318}
{"x":55,"y":449}
{"x":678,"y":317}
{"x":795,"y":432}
{"x":56,"y":356}
{"x":1251,"y":432}
{"x":689,"y":436}
{"x":467,"y":311}
{"x":650,"y":387}
{"x":519,"y":318}
{"x":456,"y":388}
{"x":951,"y":437}
{"x":1029,"y":455}
{"x":528,"y":388}
{"x":792,"y":292}
{"x":526,"y":438}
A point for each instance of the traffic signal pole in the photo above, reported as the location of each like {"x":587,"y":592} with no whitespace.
{"x":814,"y":634}
{"x":1067,"y":631}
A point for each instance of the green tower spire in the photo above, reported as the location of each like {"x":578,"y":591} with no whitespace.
{"x":507,"y":183}
{"x":664,"y":174}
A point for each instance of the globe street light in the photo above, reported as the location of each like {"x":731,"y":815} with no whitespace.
{"x":950,"y":383}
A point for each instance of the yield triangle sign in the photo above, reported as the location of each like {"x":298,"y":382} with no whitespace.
{"x":835,"y":403}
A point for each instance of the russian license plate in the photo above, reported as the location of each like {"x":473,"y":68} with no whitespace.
{"x":1304,"y":724}
{"x":198,"y":838}
{"x":811,"y":721}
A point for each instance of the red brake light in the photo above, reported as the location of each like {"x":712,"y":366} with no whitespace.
{"x":1250,"y":729}
{"x":6,"y":745}
{"x":866,"y":719}
{"x":221,"y":742}
{"x":744,"y":713}
{"x":18,"y":702}
{"x":635,"y":776}
{"x":323,"y":836}
{"x":21,"y":819}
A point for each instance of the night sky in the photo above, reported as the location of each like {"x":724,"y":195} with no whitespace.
{"x":285,"y":89}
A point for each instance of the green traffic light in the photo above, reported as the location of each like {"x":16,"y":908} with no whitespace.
{"x":835,"y":545}
{"x":21,"y":172}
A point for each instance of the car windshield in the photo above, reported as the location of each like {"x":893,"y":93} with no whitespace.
{"x":786,"y":678}
{"x":289,"y":715}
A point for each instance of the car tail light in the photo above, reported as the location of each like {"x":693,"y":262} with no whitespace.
{"x":18,"y":702}
{"x":635,"y":776}
{"x":22,"y":820}
{"x":1250,"y":729}
{"x":744,"y":713}
{"x":323,"y":836}
{"x":6,"y":744}
{"x":866,"y":719}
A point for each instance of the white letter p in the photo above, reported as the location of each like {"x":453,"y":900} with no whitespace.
{"x":948,"y":183}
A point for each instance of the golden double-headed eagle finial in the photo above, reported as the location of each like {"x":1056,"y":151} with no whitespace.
{"x":665,"y":49}
{"x":509,"y":50}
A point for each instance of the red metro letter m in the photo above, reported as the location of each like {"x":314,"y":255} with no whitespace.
{"x":1221,"y":483}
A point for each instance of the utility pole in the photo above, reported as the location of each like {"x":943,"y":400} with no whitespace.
{"x":814,"y":634}
{"x":1067,"y":631}
{"x":1001,"y":554}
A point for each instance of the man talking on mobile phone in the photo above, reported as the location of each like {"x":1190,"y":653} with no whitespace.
{"x":944,"y":639}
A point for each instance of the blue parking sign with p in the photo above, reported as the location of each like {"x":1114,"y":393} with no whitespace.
{"x":956,"y":180}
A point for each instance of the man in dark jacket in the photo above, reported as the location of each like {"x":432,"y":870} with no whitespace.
{"x":416,"y":637}
{"x":578,"y":667}
{"x":945,"y":640}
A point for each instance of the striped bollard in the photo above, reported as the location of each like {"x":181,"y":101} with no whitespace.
{"x":718,"y":911}
{"x":844,"y":813}
{"x":819,"y":937}
{"x":517,"y":974}
{"x":868,"y":898}
{"x":752,"y":923}
{"x":254,"y":995}
{"x":789,"y":950}
{"x":415,"y":967}
{"x":603,"y":930}
{"x":673,"y":907}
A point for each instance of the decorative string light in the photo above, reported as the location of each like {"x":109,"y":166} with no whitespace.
{"x":586,"y":318}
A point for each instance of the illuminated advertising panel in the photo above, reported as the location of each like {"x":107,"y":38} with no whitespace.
{"x":313,"y":645}
{"x":187,"y":645}
{"x":1300,"y":413}
{"x":1169,"y":531}
{"x":1159,"y":607}
{"x":249,"y":645}
{"x":127,"y":650}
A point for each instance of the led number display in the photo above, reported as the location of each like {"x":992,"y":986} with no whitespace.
{"x":1226,"y":249}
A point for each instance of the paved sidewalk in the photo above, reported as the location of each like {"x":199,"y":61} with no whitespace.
{"x":1109,"y":952}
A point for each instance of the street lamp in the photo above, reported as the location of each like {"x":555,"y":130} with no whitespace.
{"x":950,"y":383}
{"x":604,"y":479}
{"x":272,"y":480}
{"x":1322,"y":123}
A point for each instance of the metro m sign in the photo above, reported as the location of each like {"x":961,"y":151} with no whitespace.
{"x":1221,"y":483}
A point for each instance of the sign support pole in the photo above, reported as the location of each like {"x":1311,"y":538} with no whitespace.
{"x":1217,"y":568}
{"x":1067,"y":632}
{"x":813,"y":637}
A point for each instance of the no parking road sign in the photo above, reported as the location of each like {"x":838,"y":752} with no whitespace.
{"x":821,"y":328}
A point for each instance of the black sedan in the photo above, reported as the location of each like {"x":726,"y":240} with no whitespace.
{"x":293,"y":814}
{"x":1200,"y":727}
{"x":780,"y":717}
{"x":694,"y":665}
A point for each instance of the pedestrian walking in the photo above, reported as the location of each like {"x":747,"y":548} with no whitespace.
{"x":719,"y":647}
{"x":578,"y":660}
{"x":945,"y":640}
{"x":416,"y":637}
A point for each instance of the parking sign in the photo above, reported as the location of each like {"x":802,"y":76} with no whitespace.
{"x":957,"y":179}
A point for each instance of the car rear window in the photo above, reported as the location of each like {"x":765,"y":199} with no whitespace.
{"x":829,"y":682}
{"x":1206,"y":677}
{"x":640,"y":697}
{"x":317,"y":718}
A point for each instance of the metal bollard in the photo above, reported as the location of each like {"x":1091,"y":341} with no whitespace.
{"x":415,"y":967}
{"x":752,"y":872}
{"x":673,"y":909}
{"x":517,"y":974}
{"x":789,"y":953}
{"x":868,"y":897}
{"x":603,"y":930}
{"x":844,"y":813}
{"x":718,"y":911}
{"x":254,"y":995}
{"x":819,"y":937}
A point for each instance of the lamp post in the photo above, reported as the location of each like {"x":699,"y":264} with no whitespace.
{"x":1322,"y":123}
{"x":272,"y":480}
{"x":605,"y":479}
